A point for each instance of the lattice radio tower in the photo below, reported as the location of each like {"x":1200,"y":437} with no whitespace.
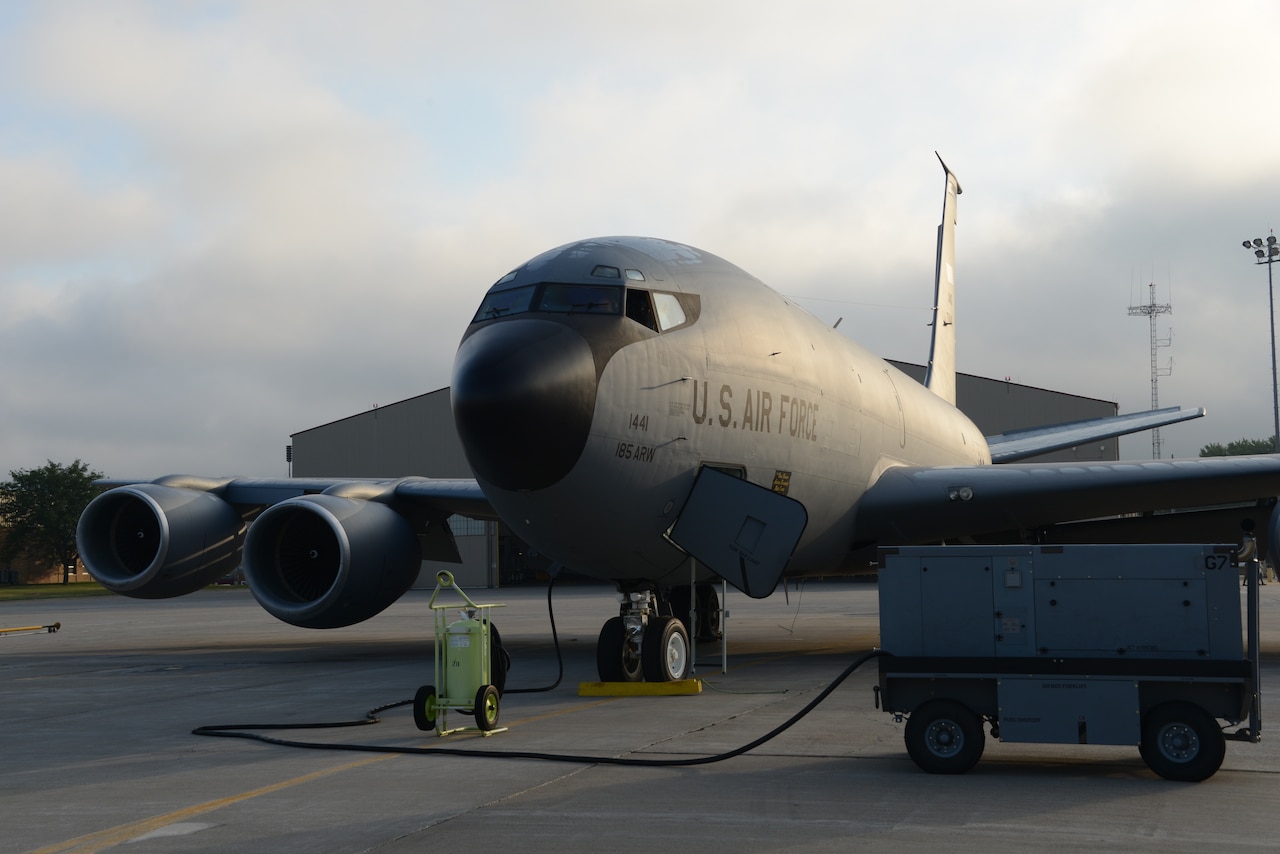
{"x":1150,"y":310}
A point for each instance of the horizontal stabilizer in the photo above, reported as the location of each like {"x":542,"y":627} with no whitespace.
{"x":1020,"y":444}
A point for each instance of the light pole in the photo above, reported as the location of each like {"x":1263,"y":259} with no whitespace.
{"x":1268,"y":253}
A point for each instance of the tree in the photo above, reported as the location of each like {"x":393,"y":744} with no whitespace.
{"x":40,"y":508}
{"x":1239,"y":447}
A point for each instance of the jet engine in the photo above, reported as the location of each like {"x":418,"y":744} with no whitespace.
{"x":152,"y":541}
{"x":323,"y":561}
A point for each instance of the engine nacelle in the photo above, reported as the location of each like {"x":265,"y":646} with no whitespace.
{"x":151,"y":541}
{"x":322,"y":561}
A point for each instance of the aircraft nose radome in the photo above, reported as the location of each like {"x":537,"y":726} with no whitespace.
{"x":524,"y":392}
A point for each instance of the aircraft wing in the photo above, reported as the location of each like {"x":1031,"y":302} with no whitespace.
{"x":1020,"y":444}
{"x":917,"y":505}
{"x":320,"y":552}
{"x":441,"y":495}
{"x":461,"y":496}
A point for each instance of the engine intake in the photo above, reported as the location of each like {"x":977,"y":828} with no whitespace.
{"x":151,"y":541}
{"x":322,"y":561}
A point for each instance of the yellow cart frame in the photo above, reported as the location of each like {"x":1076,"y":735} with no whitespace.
{"x":432,"y":703}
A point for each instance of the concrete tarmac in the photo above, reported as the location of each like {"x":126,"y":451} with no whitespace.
{"x":96,"y":750}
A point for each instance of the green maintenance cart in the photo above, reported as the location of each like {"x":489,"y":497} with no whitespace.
{"x":470,"y":665}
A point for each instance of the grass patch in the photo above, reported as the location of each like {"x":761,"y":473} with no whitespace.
{"x":76,"y":590}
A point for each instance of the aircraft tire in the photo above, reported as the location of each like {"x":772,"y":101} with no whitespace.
{"x":944,"y":737}
{"x":1182,"y":742}
{"x":612,"y":661}
{"x":709,"y":626}
{"x":679,"y":601}
{"x":499,"y":660}
{"x":665,"y":656}
{"x":424,"y":708}
{"x":486,"y":708}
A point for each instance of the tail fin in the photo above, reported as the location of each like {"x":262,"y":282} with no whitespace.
{"x":941,"y":376}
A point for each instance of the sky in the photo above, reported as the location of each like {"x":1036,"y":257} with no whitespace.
{"x":223,"y":223}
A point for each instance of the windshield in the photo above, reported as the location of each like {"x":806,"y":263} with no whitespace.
{"x":503,"y":303}
{"x":593,"y":299}
{"x":565,"y":299}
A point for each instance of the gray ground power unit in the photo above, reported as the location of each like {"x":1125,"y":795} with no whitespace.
{"x":1077,"y":644}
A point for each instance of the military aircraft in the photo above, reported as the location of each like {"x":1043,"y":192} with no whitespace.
{"x":645,"y":412}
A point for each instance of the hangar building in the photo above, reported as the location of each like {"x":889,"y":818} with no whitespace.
{"x":417,"y":437}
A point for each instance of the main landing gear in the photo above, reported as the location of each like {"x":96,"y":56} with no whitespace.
{"x":649,"y":639}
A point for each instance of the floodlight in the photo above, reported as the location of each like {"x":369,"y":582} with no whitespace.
{"x":1269,"y":253}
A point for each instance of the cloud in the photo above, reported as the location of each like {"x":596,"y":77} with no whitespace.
{"x":224,"y":223}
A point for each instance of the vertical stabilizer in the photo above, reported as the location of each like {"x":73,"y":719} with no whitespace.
{"x":941,"y":376}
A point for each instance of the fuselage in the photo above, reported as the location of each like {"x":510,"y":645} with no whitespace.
{"x":598,"y":378}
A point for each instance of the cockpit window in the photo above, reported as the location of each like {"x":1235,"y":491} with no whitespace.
{"x":640,"y":308}
{"x":581,"y":299}
{"x":670,"y":312}
{"x":654,"y":310}
{"x":658,"y":311}
{"x":504,"y":303}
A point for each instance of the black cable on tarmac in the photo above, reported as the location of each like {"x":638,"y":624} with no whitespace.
{"x":244,"y":731}
{"x":555,"y":639}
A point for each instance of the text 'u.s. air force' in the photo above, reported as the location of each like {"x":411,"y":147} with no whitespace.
{"x":754,"y":409}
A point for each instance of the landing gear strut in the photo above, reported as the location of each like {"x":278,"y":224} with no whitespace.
{"x":642,"y":643}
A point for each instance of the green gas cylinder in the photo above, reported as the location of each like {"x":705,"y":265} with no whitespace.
{"x":464,"y":658}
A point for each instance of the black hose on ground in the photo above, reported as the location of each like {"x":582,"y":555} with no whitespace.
{"x":371,"y":717}
{"x":555,"y":639}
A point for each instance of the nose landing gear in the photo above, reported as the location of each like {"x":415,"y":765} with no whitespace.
{"x":642,"y":643}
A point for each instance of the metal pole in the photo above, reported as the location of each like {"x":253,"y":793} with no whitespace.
{"x":1275,"y":393}
{"x":693,"y":617}
{"x":1268,"y":253}
{"x":1253,"y":570}
{"x":724,"y":626}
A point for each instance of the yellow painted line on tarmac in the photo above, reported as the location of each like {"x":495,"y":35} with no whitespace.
{"x":123,"y":833}
{"x":581,"y":707}
{"x":679,"y":687}
{"x":548,"y":715}
{"x":120,"y":834}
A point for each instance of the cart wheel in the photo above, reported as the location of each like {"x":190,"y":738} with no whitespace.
{"x":424,"y":708}
{"x":487,"y":707}
{"x":1181,"y":741}
{"x":944,"y":737}
{"x":666,"y":650}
